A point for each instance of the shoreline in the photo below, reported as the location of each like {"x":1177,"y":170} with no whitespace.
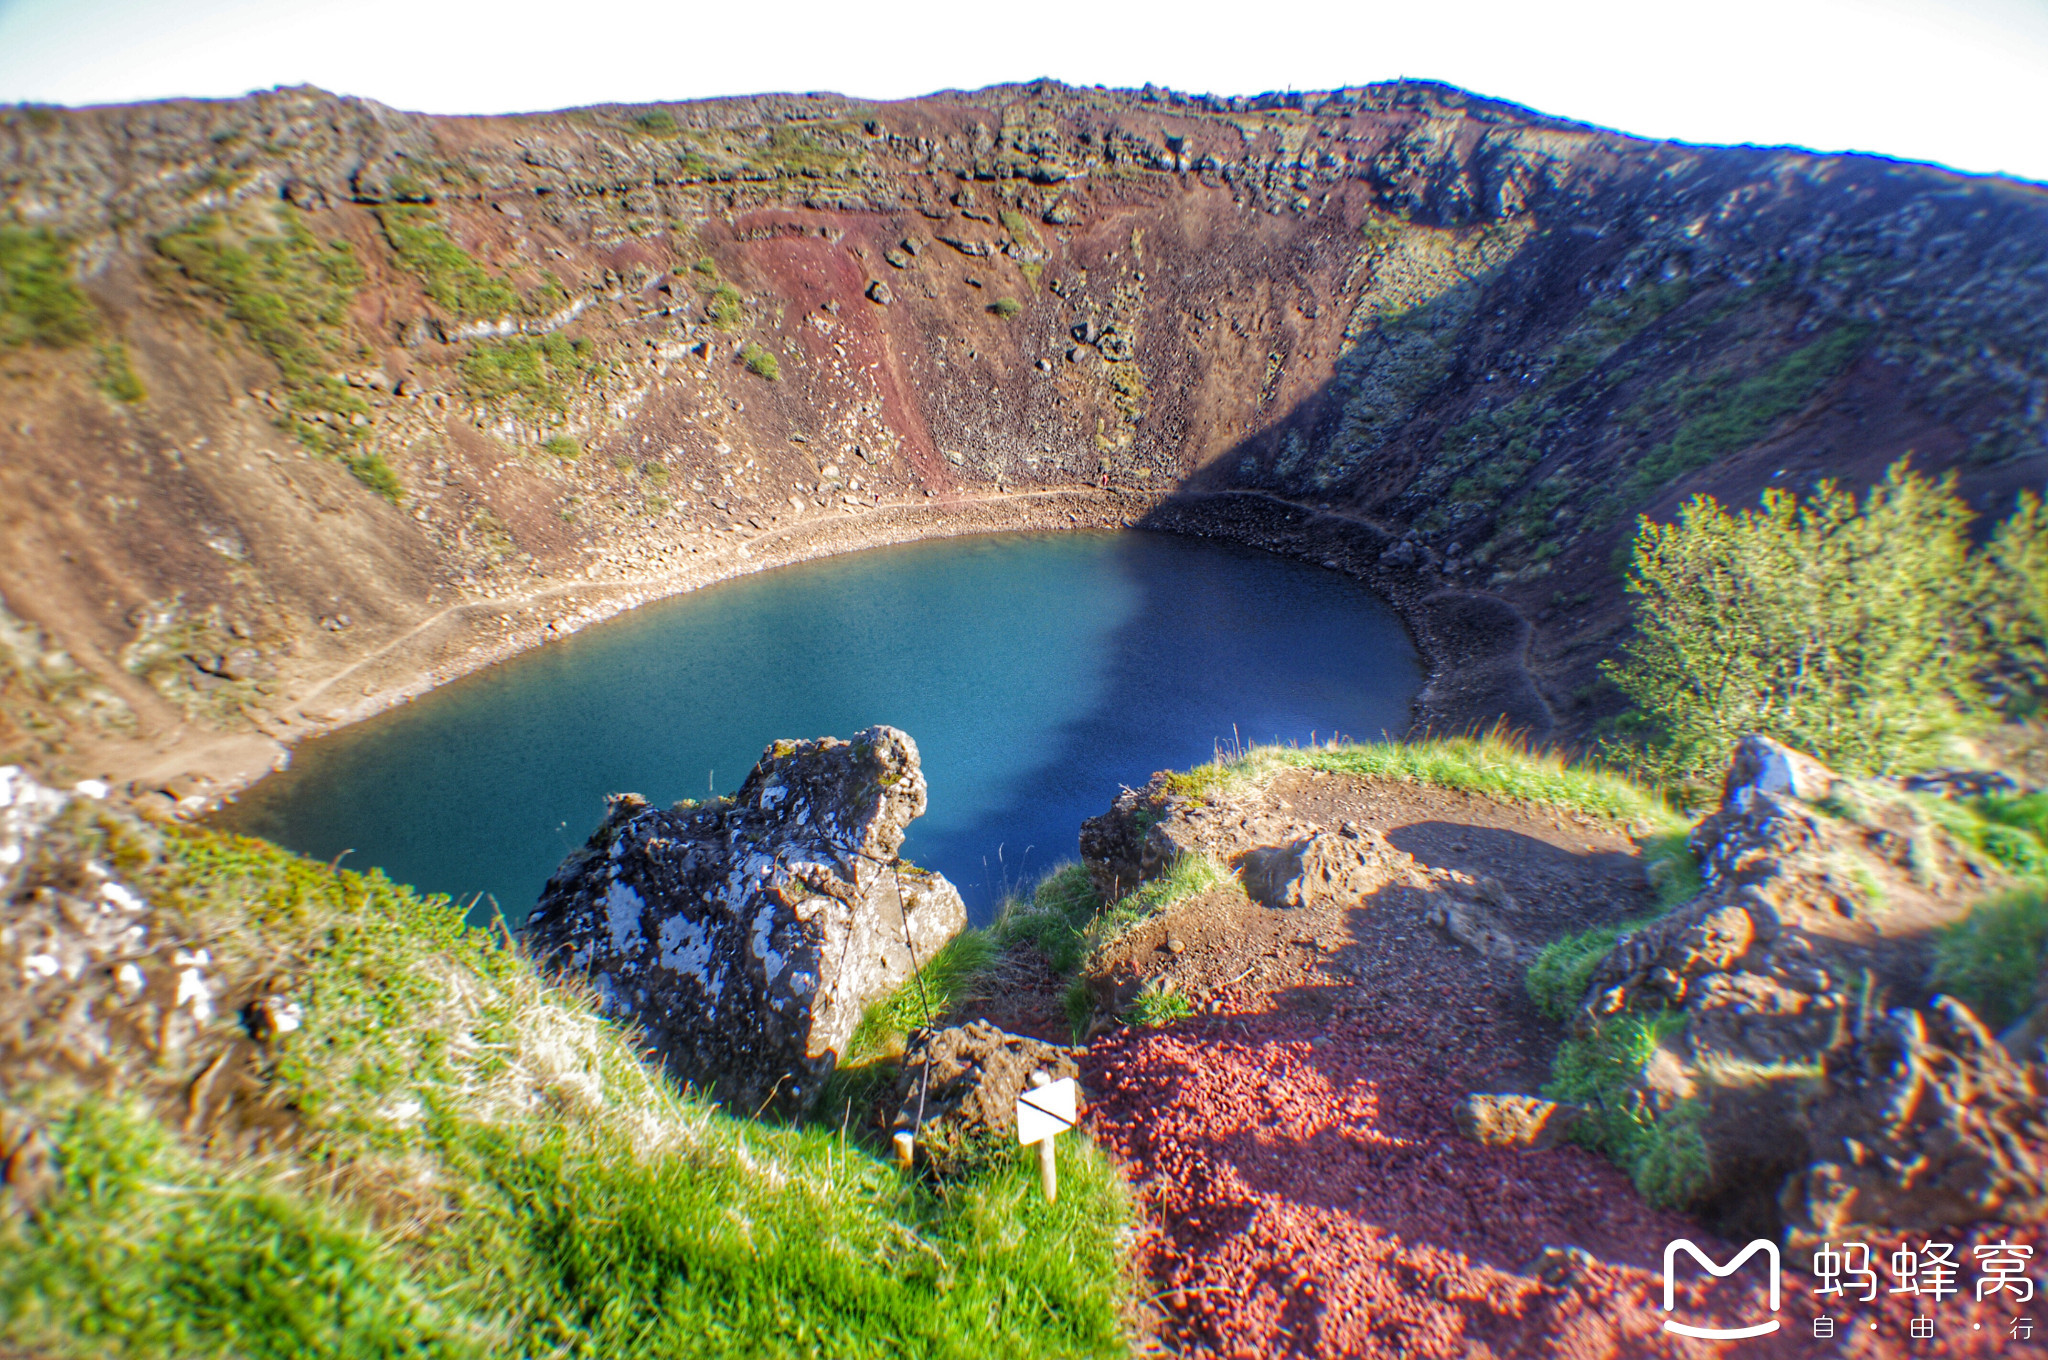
{"x":1471,"y":644}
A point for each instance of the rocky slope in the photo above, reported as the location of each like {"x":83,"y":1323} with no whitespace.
{"x":310,"y":402}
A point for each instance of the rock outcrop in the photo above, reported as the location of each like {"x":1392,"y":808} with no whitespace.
{"x":1822,"y":895}
{"x":957,"y":1089}
{"x":746,"y":938}
{"x":1925,"y":1122}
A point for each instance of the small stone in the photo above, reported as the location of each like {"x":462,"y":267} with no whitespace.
{"x":1525,"y":1123}
{"x":1176,"y":945}
{"x":878,"y":292}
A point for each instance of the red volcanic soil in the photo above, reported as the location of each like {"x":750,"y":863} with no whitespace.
{"x":1305,"y":1191}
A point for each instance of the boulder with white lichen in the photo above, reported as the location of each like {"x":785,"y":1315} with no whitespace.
{"x":745,"y":939}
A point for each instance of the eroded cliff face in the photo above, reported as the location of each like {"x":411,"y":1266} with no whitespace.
{"x":309,"y":402}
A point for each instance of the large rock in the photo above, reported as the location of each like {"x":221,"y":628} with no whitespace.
{"x":745,"y":939}
{"x":1926,"y":1123}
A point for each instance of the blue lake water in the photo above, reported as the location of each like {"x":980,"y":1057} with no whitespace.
{"x":1037,"y":673}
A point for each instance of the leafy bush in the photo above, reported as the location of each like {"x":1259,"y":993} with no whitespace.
{"x":563,"y":447}
{"x":2016,"y":604}
{"x":1006,"y":307}
{"x":1992,"y":960}
{"x":760,"y":360}
{"x":39,"y":304}
{"x":1851,"y":631}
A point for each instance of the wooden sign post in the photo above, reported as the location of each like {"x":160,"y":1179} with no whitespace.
{"x":1043,"y":1113}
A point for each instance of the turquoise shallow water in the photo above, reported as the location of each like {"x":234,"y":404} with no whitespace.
{"x":1037,"y":673}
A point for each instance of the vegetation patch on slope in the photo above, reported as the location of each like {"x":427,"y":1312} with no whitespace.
{"x":39,"y":303}
{"x":482,"y":1165}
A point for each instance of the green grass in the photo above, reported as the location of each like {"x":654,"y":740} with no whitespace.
{"x":1054,"y":919}
{"x":1006,"y":307}
{"x":946,"y":980}
{"x":117,"y":375}
{"x":485,"y":1167}
{"x":1494,"y":765}
{"x":530,"y":376}
{"x":1992,"y":960}
{"x":761,"y":361}
{"x":1664,"y":1154}
{"x":1184,"y":878}
{"x":727,"y":309}
{"x":1157,"y":1003}
{"x":2011,"y":830}
{"x":1728,"y":418}
{"x":1559,"y":975}
{"x":290,"y":294}
{"x":563,"y":447}
{"x":450,"y":275}
{"x":39,"y":303}
{"x":372,"y":471}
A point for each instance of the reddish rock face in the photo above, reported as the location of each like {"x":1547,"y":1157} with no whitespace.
{"x":1481,"y":338}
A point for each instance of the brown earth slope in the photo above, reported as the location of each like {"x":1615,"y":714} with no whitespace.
{"x":311,"y":403}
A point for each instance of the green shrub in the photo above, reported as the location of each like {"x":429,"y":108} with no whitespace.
{"x":656,"y":123}
{"x":372,"y":471}
{"x":727,"y":308}
{"x":1846,"y":630}
{"x":1992,"y":960}
{"x":760,"y":360}
{"x":1006,"y":307}
{"x":563,"y":447}
{"x":449,"y":274}
{"x":2016,"y":603}
{"x":39,"y":303}
{"x":531,"y":376}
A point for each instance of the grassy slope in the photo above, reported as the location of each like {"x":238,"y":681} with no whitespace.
{"x":486,"y":1167}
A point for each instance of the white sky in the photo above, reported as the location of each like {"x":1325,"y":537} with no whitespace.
{"x":1962,"y":82}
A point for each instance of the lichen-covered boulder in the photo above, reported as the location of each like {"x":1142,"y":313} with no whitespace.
{"x":745,"y":939}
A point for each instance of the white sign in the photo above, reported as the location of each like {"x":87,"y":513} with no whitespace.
{"x":1045,"y":1111}
{"x":1764,"y":1245}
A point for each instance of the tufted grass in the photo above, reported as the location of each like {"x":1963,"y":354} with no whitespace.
{"x":484,"y":1166}
{"x":1495,"y":765}
{"x":1993,"y":959}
